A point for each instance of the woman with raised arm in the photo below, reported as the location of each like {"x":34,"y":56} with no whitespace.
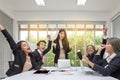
{"x":90,"y":49}
{"x":111,"y":65}
{"x":23,"y":57}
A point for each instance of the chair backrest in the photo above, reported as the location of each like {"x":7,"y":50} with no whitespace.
{"x":10,"y":63}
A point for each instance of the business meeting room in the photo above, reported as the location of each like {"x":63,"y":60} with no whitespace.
{"x":59,"y":40}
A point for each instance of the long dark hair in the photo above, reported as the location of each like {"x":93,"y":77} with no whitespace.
{"x":19,"y":45}
{"x":93,"y":47}
{"x":115,"y":42}
{"x":65,"y":42}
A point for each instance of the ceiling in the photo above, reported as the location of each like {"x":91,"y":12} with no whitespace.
{"x":63,"y":5}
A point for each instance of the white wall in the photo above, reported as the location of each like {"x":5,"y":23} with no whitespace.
{"x":114,"y":13}
{"x":4,"y":7}
{"x":5,"y":51}
{"x":62,"y":15}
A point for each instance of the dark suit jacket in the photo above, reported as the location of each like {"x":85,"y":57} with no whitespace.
{"x":113,"y":68}
{"x":38,"y":57}
{"x":91,"y":57}
{"x":56,"y":51}
{"x":19,"y":57}
{"x":103,"y":51}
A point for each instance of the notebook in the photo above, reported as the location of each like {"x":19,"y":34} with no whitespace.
{"x":64,"y":63}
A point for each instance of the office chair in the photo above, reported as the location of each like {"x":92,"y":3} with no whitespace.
{"x":10,"y":63}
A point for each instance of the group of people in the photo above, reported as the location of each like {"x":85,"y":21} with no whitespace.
{"x":107,"y":66}
{"x":25,"y":59}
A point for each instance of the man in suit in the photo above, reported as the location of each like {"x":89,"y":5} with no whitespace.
{"x":42,"y":50}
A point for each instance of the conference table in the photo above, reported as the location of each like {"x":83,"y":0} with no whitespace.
{"x":73,"y":73}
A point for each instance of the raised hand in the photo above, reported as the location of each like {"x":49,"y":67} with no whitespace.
{"x":102,"y":46}
{"x":78,"y":47}
{"x":105,"y":29}
{"x":49,"y":37}
{"x":1,"y":27}
{"x":42,"y":69}
{"x":85,"y":59}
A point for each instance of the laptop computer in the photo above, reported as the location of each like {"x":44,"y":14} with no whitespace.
{"x":64,"y":63}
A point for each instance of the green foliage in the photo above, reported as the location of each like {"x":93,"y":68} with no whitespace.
{"x":32,"y":38}
{"x":75,"y":40}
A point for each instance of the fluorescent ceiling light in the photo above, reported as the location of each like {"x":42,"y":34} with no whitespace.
{"x":40,"y":2}
{"x":81,"y":2}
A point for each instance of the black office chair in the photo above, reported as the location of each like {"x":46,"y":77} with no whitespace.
{"x":10,"y":63}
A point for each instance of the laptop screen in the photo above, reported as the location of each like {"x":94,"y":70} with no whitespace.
{"x":64,"y":63}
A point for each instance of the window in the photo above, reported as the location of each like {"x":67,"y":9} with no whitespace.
{"x":79,"y":34}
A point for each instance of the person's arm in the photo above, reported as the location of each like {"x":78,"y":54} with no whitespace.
{"x":37,"y":58}
{"x":110,"y":68}
{"x":104,"y":40}
{"x":8,"y":37}
{"x":105,"y":29}
{"x":40,"y":63}
{"x":97,"y":58}
{"x":79,"y":52}
{"x":48,"y":48}
{"x":36,"y":66}
{"x":55,"y":47}
{"x":86,"y":60}
{"x":105,"y":71}
{"x":79,"y":55}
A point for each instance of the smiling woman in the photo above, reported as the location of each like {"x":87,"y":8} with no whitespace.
{"x":23,"y":57}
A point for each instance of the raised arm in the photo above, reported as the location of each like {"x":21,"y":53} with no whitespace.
{"x":105,"y":29}
{"x":55,"y":46}
{"x":8,"y":37}
{"x":79,"y":52}
{"x":48,"y":46}
{"x":111,"y":67}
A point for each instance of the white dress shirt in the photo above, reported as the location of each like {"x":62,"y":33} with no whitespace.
{"x":40,"y":52}
{"x":109,"y":58}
